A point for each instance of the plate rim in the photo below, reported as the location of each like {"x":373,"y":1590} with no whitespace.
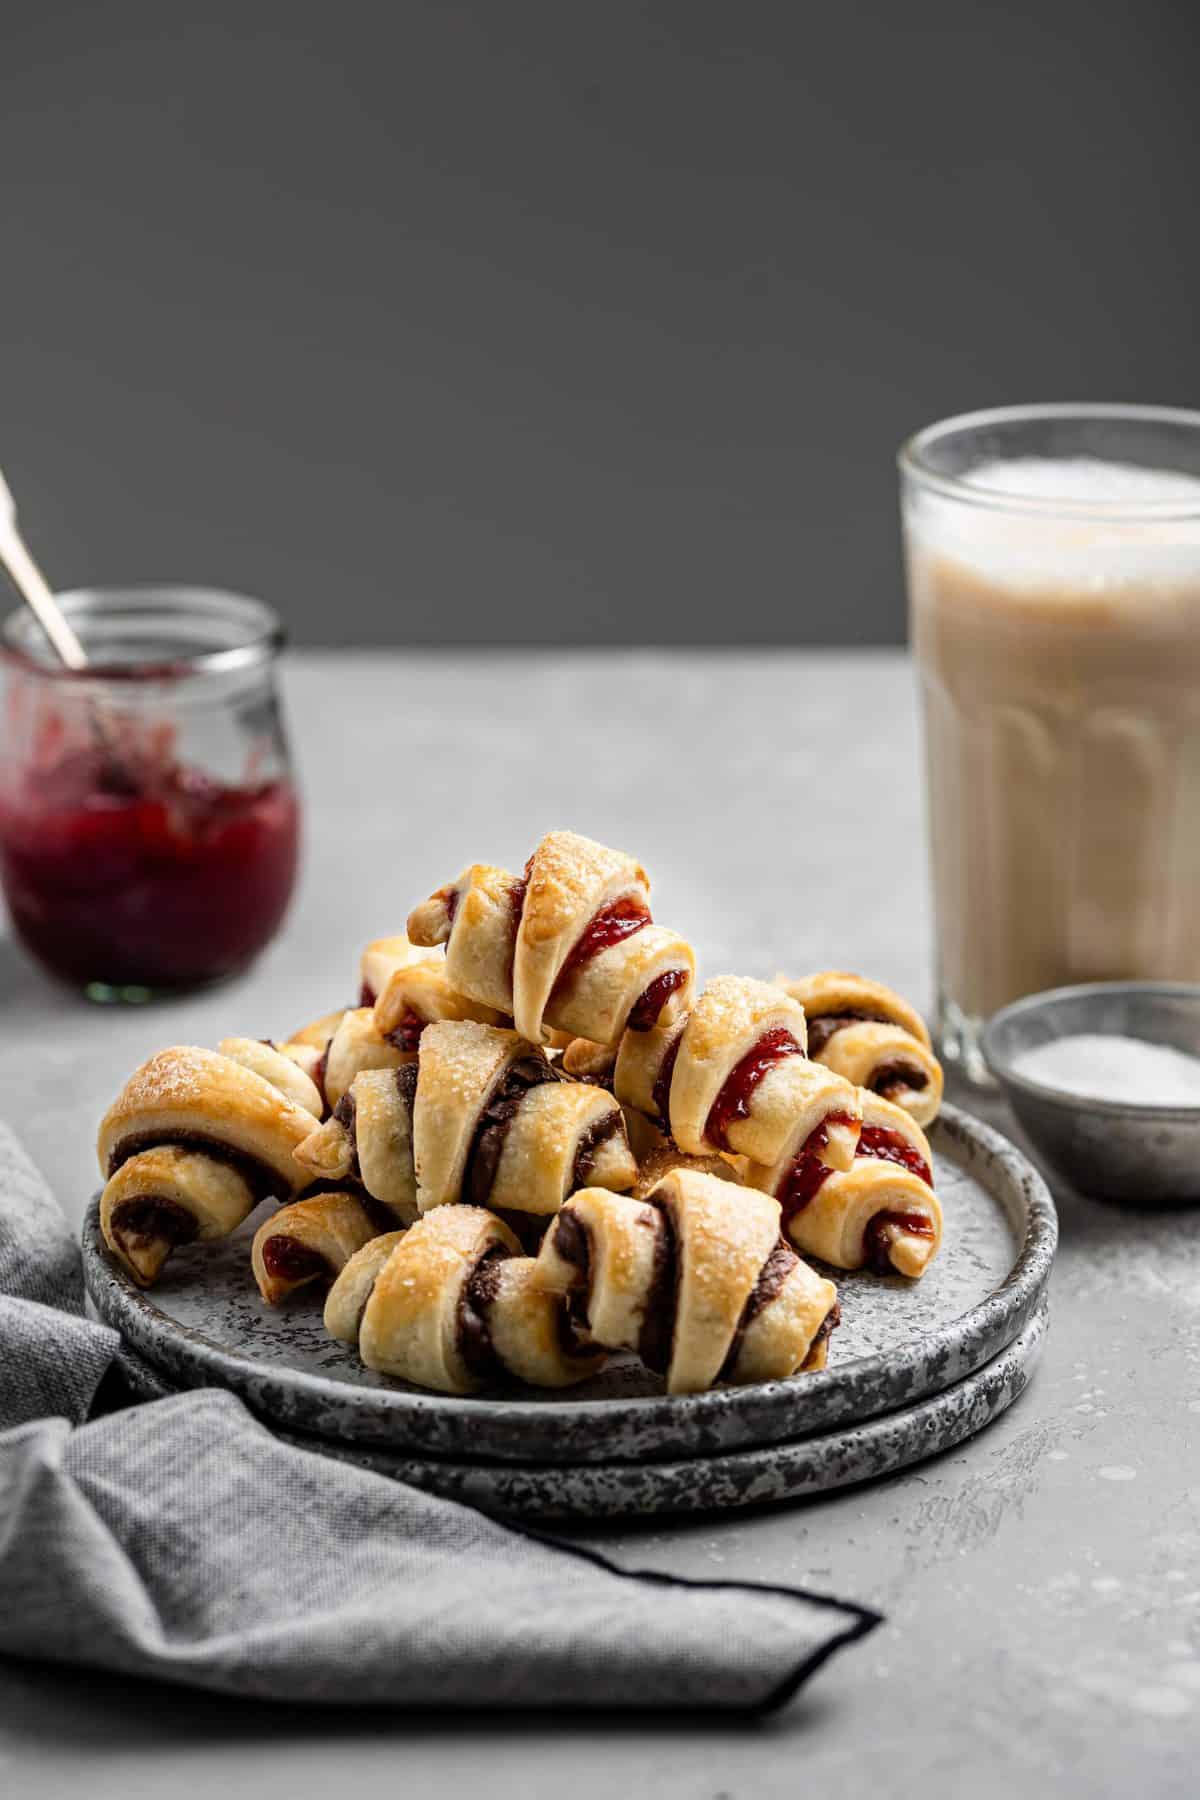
{"x":923,"y":1425}
{"x":759,"y":1412}
{"x":929,"y":1426}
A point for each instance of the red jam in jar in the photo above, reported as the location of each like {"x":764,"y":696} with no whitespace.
{"x":149,"y":826}
{"x":137,"y":876}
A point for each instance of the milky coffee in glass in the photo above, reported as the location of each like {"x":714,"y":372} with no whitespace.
{"x":1053,"y":560}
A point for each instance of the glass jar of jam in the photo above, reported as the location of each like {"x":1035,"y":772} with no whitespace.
{"x":149,"y":822}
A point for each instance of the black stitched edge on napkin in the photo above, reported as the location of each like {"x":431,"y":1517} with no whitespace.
{"x":862,"y":1619}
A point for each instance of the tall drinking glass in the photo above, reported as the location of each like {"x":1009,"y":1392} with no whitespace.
{"x":1053,"y":558}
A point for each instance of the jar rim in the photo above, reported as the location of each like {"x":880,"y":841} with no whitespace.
{"x":914,"y":461}
{"x":253,"y":629}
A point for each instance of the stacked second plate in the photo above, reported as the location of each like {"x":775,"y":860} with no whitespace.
{"x":915,"y":1369}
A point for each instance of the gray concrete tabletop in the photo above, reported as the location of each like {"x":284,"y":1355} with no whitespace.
{"x":1041,"y":1585}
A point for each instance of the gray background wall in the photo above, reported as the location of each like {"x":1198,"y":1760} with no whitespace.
{"x":565,"y":322}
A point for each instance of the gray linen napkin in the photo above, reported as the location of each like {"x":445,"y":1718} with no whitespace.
{"x":181,"y":1540}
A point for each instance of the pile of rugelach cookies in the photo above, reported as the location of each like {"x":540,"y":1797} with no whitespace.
{"x":534,"y":1143}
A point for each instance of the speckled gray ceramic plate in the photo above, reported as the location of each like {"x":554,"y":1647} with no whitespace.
{"x":773,"y":1473}
{"x":204,"y":1324}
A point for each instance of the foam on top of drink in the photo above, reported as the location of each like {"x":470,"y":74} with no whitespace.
{"x":1090,"y":549}
{"x":1084,"y":480}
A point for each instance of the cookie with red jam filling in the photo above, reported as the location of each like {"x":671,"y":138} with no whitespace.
{"x":873,"y":1037}
{"x":568,"y":947}
{"x":310,"y":1242}
{"x":880,"y":1214}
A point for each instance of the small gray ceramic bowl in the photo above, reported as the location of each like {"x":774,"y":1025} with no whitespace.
{"x":1116,"y":1150}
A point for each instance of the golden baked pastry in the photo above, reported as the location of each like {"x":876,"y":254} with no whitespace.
{"x":451,"y":1305}
{"x":408,"y":988}
{"x":288,"y":1067}
{"x":510,"y":1062}
{"x":368,"y":1140}
{"x":666,"y":1156}
{"x":401,"y":990}
{"x":881,"y":1213}
{"x":192,"y":1142}
{"x":481,"y":1117}
{"x":316,"y":1035}
{"x":568,"y":947}
{"x":732,"y":1075}
{"x":695,"y":1277}
{"x":329,"y":1053}
{"x":309,"y":1241}
{"x":358,"y":1044}
{"x":873,"y":1037}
